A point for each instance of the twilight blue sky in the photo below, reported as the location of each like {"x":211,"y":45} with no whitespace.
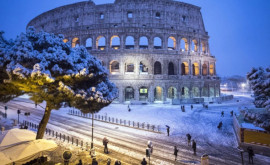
{"x":239,"y":29}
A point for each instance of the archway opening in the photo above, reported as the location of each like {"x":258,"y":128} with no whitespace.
{"x":143,"y":94}
{"x":143,"y":68}
{"x":184,"y":44}
{"x":170,"y":69}
{"x":143,"y":43}
{"x":194,"y":45}
{"x":115,"y":42}
{"x":129,"y":42}
{"x":196,"y":92}
{"x":157,"y":68}
{"x":195,"y":69}
{"x":129,"y":68}
{"x":185,"y":92}
{"x":129,"y":94}
{"x":75,"y":42}
{"x":157,"y":43}
{"x":211,"y":70}
{"x":114,"y":67}
{"x":171,"y":43}
{"x":184,"y":68}
{"x":101,"y":43}
{"x":172,"y":93}
{"x":158,"y":93}
{"x":204,"y":69}
{"x":89,"y":43}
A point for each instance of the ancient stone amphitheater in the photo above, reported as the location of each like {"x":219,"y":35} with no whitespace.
{"x":155,"y":50}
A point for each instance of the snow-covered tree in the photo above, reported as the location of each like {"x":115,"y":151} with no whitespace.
{"x":48,"y":69}
{"x":259,"y":79}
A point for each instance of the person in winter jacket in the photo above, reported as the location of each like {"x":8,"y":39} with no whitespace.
{"x":105,"y":143}
{"x":188,"y":138}
{"x":144,"y":162}
{"x":175,"y":152}
{"x":194,"y":146}
{"x":117,"y":162}
{"x":250,"y":154}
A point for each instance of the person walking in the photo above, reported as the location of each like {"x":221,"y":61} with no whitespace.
{"x":144,"y":162}
{"x":231,"y":113}
{"x":194,"y":146}
{"x":219,"y":125}
{"x":105,"y":143}
{"x":94,"y":161}
{"x":250,"y":154}
{"x":117,"y":162}
{"x":175,"y":152}
{"x":222,"y":113}
{"x":191,"y":107}
{"x":168,"y":130}
{"x":188,"y":138}
{"x":80,"y":162}
{"x":150,"y":146}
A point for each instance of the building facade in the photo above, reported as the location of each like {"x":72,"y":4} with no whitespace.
{"x":155,"y":50}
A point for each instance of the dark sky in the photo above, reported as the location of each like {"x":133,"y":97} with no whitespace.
{"x":239,"y":29}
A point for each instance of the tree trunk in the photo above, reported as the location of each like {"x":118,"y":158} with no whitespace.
{"x":43,"y":123}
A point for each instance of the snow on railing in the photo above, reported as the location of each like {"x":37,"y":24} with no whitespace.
{"x":112,"y":120}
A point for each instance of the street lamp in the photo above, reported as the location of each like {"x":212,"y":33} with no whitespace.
{"x":6,"y":108}
{"x":18,"y":112}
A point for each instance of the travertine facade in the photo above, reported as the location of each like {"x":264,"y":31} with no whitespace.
{"x":155,"y":50}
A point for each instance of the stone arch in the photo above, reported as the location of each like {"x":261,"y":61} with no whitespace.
{"x":115,"y":42}
{"x":195,"y":69}
{"x":172,"y":93}
{"x":129,"y":93}
{"x":171,"y":68}
{"x":75,"y":42}
{"x":101,"y":43}
{"x":158,"y":93}
{"x":129,"y":42}
{"x":205,"y":91}
{"x":184,"y":68}
{"x":171,"y":43}
{"x":211,"y":69}
{"x":89,"y":43}
{"x":203,"y":46}
{"x":157,"y":43}
{"x":129,"y":67}
{"x":157,"y":68}
{"x":195,"y":92}
{"x":114,"y":67}
{"x":211,"y":91}
{"x":65,"y":40}
{"x":143,"y":68}
{"x":143,"y":42}
{"x":143,"y":93}
{"x":185,"y":92}
{"x":194,"y":45}
{"x":204,"y":70}
{"x":184,"y":44}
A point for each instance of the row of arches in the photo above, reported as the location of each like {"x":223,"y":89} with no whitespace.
{"x":172,"y":93}
{"x":143,"y":43}
{"x":144,"y":69}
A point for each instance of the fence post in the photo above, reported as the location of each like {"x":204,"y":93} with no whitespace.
{"x":158,"y":128}
{"x":60,"y":136}
{"x":52,"y":133}
{"x":138,"y":124}
{"x":77,"y":141}
{"x":116,"y":121}
{"x":109,"y":119}
{"x":124,"y":122}
{"x":102,"y":118}
{"x":72,"y":140}
{"x":49,"y":132}
{"x":68,"y":139}
{"x":56,"y":134}
{"x":148,"y":126}
{"x":120,"y":121}
{"x":112,"y":119}
{"x":153,"y":127}
{"x":142,"y":125}
{"x":133,"y":124}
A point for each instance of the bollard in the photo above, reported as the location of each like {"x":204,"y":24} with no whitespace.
{"x":60,"y":136}
{"x":129,"y":123}
{"x":113,"y":120}
{"x":133,"y":123}
{"x":77,"y":141}
{"x":56,"y":134}
{"x":68,"y":139}
{"x":124,"y":122}
{"x":82,"y":144}
{"x":120,"y":121}
{"x":102,"y":118}
{"x":72,"y":140}
{"x":204,"y":159}
{"x":116,"y":121}
{"x":142,"y":125}
{"x":109,"y":119}
{"x":138,"y":124}
{"x":53,"y":134}
{"x":148,"y":126}
{"x":49,"y":132}
{"x":153,"y":127}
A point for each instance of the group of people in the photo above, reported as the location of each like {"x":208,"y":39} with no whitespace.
{"x":184,"y":109}
{"x":194,"y":146}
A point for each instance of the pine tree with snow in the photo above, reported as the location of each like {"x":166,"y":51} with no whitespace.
{"x":49,"y":70}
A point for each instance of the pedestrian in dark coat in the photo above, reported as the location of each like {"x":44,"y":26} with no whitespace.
{"x":222,"y":113}
{"x":144,"y":162}
{"x":80,"y":162}
{"x":188,"y":138}
{"x":94,"y":161}
{"x":191,"y":106}
{"x":175,"y":152}
{"x":219,"y":125}
{"x":108,"y":161}
{"x":231,"y":113}
{"x":105,"y":143}
{"x":117,"y":162}
{"x":168,"y":130}
{"x":194,"y":146}
{"x":250,"y":154}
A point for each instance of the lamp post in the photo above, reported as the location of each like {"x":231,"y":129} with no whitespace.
{"x":18,"y":112}
{"x":6,"y":108}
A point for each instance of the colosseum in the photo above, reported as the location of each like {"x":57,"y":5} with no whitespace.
{"x":157,"y":51}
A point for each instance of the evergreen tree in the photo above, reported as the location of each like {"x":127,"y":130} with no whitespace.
{"x":49,"y":70}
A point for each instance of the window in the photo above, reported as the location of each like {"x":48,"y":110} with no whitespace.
{"x":129,"y":14}
{"x":184,"y":68}
{"x":143,"y":68}
{"x":130,"y":68}
{"x":129,"y":42}
{"x":101,"y":16}
{"x":143,"y":43}
{"x":183,"y":18}
{"x":157,"y":15}
{"x":157,"y":68}
{"x":170,"y":69}
{"x":157,"y":43}
{"x":114,"y":66}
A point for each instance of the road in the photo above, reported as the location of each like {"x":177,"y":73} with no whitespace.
{"x":129,"y":144}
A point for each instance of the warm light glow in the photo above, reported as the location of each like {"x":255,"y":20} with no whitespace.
{"x":211,"y":70}
{"x":196,"y":69}
{"x":65,"y":40}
